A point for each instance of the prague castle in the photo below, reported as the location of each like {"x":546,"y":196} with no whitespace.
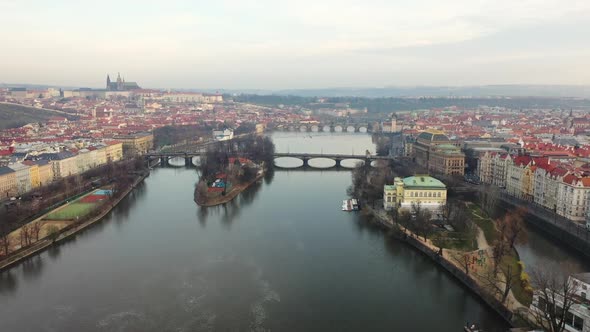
{"x":120,"y":84}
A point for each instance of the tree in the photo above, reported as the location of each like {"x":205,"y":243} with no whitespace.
{"x":25,"y":235}
{"x":514,"y":230}
{"x":35,"y":230}
{"x":53,"y":233}
{"x":489,"y":199}
{"x":553,"y":298}
{"x":421,"y":220}
{"x":501,"y":282}
{"x":5,"y":244}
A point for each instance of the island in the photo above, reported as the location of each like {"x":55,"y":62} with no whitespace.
{"x":230,"y":167}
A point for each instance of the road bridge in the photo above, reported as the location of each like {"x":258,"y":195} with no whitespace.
{"x":188,"y":156}
{"x":325,"y":127}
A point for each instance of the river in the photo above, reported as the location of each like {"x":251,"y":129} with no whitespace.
{"x":280,"y":257}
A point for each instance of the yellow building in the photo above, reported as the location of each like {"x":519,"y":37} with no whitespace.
{"x":45,"y":172}
{"x":428,"y":192}
{"x":33,"y":173}
{"x":435,"y":151}
{"x":136,"y":144}
{"x":114,"y":151}
{"x":8,"y":185}
{"x":446,"y":159}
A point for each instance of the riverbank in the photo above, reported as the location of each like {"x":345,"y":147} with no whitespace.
{"x":508,"y":311}
{"x":64,"y":233}
{"x":233,"y":193}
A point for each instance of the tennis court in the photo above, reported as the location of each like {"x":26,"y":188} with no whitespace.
{"x":80,"y":207}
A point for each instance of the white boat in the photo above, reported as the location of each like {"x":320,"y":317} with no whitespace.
{"x":345,"y":206}
{"x":350,"y":205}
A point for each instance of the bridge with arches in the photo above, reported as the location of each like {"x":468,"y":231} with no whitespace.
{"x":325,"y":127}
{"x":366,"y":159}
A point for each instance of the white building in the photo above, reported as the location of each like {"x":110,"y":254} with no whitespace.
{"x":223,"y":135}
{"x":578,"y":317}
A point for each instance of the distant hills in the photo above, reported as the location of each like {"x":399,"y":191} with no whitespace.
{"x":560,"y":91}
{"x":13,"y":116}
{"x":506,"y":90}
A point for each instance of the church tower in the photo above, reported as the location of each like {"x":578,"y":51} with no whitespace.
{"x":119,"y":82}
{"x":108,"y":82}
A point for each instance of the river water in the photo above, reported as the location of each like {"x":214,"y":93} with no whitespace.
{"x":280,"y":257}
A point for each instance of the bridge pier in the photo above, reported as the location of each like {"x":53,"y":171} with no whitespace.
{"x":338,"y":162}
{"x":164,"y":161}
{"x":188,"y":161}
{"x":305,"y":162}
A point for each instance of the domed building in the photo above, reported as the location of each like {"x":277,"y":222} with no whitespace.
{"x":435,"y":151}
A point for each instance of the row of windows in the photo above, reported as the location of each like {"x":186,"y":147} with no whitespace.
{"x":570,"y":319}
{"x":421,"y":194}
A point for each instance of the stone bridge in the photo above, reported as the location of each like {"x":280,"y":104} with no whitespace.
{"x":325,"y":127}
{"x":366,"y":159}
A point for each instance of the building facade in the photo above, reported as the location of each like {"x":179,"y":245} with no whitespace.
{"x":8,"y":186}
{"x":434,"y":151}
{"x":423,"y":190}
{"x":136,"y":144}
{"x":23,"y":177}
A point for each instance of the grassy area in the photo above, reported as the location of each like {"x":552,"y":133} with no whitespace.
{"x":524,"y":297}
{"x":484,"y":222}
{"x":12,"y":116}
{"x":455,"y":241}
{"x":71,"y":211}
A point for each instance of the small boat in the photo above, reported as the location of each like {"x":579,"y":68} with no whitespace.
{"x":471,"y":328}
{"x":350,"y":205}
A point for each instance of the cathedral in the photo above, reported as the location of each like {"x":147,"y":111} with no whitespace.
{"x":120,"y":84}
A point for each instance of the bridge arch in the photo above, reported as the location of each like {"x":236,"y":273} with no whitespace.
{"x":352,"y":163}
{"x":338,"y":128}
{"x":176,"y":161}
{"x":288,"y":162}
{"x":326,"y":128}
{"x":321,"y":162}
{"x":350,"y":129}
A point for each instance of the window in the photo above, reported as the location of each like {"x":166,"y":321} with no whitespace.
{"x":542,"y":304}
{"x":578,"y":323}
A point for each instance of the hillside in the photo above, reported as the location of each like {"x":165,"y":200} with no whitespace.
{"x":12,"y":116}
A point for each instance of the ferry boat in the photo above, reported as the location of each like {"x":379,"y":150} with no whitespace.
{"x":350,"y":205}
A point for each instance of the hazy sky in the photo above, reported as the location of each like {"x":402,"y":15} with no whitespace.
{"x":275,"y":44}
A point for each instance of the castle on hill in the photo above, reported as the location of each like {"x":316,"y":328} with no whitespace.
{"x":120,"y":84}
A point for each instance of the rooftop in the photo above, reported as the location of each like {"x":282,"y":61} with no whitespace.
{"x":423,"y":181}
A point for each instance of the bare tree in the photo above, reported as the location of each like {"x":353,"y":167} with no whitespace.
{"x":501,"y":282}
{"x":499,"y":250}
{"x":421,"y":220}
{"x":463,"y":259}
{"x":35,"y":230}
{"x":554,"y":296}
{"x":53,"y":232}
{"x":513,"y":226}
{"x":5,"y":244}
{"x":489,"y":199}
{"x":25,"y":235}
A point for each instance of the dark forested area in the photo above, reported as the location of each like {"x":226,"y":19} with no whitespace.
{"x":387,"y":105}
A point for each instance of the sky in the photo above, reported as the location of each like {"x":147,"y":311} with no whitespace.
{"x":274,"y":44}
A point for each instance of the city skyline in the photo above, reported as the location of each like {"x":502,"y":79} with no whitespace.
{"x":278,"y":45}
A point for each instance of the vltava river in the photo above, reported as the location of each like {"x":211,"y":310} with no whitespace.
{"x":281,"y":257}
